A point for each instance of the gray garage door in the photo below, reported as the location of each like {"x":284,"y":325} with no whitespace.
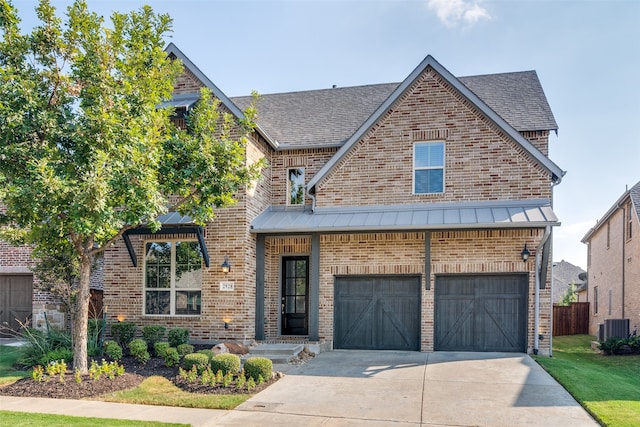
{"x":481,"y":313}
{"x":15,"y":301}
{"x":377,"y":313}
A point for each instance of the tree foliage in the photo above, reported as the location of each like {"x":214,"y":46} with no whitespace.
{"x":87,"y":154}
{"x":570,"y":295}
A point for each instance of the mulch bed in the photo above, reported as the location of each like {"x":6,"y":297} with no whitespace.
{"x":135,"y":373}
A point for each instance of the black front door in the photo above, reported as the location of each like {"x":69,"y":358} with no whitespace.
{"x":295,"y":295}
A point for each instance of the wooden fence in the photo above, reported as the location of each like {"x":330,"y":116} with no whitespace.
{"x":572,"y":319}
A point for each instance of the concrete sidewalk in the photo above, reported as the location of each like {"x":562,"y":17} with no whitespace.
{"x":353,"y":388}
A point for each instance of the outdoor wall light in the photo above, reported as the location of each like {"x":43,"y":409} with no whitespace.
{"x":121,"y":317}
{"x":525,"y":253}
{"x":225,"y":267}
{"x":226,"y":321}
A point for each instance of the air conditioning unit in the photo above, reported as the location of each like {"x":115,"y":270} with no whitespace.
{"x":600,"y":332}
{"x":618,"y":328}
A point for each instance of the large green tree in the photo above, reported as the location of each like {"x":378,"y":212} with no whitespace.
{"x":85,"y":152}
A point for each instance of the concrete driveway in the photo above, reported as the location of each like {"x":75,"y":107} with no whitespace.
{"x":352,"y":388}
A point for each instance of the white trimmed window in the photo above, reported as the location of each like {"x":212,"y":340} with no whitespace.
{"x":295,"y":186}
{"x":173,"y":278}
{"x":428,"y":167}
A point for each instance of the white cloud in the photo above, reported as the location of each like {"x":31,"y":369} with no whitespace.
{"x":454,"y":12}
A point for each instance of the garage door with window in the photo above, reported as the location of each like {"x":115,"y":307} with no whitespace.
{"x":481,"y":313}
{"x":377,"y":312}
{"x":15,"y":302}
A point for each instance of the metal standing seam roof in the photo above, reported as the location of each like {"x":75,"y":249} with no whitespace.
{"x":464,"y":215}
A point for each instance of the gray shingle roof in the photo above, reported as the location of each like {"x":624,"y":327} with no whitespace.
{"x":634,"y":193}
{"x":564,"y":273}
{"x":328,"y":117}
{"x":517,"y":97}
{"x":465,"y":215}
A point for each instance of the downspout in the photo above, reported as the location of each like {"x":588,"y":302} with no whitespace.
{"x":624,"y":239}
{"x":313,"y":199}
{"x":536,"y":325}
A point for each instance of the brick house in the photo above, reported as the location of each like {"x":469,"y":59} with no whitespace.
{"x":613,"y":285}
{"x":391,"y":216}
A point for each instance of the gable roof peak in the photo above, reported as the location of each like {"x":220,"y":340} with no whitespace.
{"x":224,"y":99}
{"x":429,"y":61}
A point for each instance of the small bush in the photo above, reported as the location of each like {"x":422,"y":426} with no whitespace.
{"x":138,"y":349}
{"x":153,"y":334}
{"x":123,"y":333}
{"x":178,"y":336}
{"x":256,"y":367}
{"x":112,"y":350}
{"x":59,"y":354}
{"x":108,"y":369}
{"x":94,"y":333}
{"x":160,"y":348}
{"x":184,"y":349}
{"x":612,"y":345}
{"x":171,"y":357}
{"x":39,"y":343}
{"x":209,"y":353}
{"x":227,"y":363}
{"x":197,"y":360}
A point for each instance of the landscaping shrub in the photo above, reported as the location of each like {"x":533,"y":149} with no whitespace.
{"x":184,"y":349}
{"x":227,"y":363}
{"x":39,"y":343}
{"x":209,"y":353}
{"x":138,"y":349}
{"x":94,"y":333}
{"x":153,"y":334}
{"x":58,"y":354}
{"x":160,"y":348}
{"x":171,"y":357}
{"x":614,"y":345}
{"x":256,"y":367}
{"x":199,"y":360}
{"x":123,"y":333}
{"x":113,"y":350}
{"x":178,"y":336}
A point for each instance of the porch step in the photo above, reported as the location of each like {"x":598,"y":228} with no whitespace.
{"x":278,"y":353}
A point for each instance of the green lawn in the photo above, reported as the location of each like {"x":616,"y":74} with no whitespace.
{"x":8,"y":357}
{"x":607,"y":386}
{"x":25,"y":419}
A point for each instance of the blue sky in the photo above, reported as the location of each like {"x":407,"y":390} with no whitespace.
{"x":585,"y":52}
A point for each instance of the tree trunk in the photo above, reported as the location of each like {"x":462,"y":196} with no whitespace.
{"x":81,"y":317}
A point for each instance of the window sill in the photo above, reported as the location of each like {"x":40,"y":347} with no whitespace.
{"x":176,"y":316}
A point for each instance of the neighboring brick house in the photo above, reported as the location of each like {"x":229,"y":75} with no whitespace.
{"x":21,"y":299}
{"x":613,"y":263}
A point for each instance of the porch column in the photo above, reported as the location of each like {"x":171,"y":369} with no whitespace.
{"x":260,"y":287}
{"x":314,"y":289}
{"x":427,"y":258}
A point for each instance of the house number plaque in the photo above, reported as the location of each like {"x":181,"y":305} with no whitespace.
{"x":227,"y":286}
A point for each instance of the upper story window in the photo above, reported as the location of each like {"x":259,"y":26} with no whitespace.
{"x":295,"y":186}
{"x":173,"y":278}
{"x":428,"y":167}
{"x":629,"y":220}
{"x":608,"y":235}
